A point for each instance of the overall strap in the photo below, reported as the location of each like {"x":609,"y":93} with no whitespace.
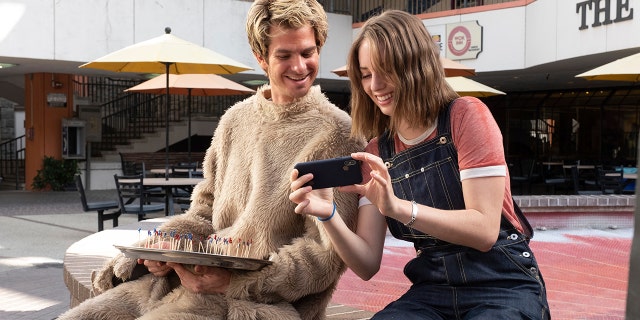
{"x":386,"y":148}
{"x":386,"y":145}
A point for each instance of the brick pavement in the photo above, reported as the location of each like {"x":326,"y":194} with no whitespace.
{"x":585,"y":270}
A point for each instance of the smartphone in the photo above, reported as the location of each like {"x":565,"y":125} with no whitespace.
{"x":329,"y":173}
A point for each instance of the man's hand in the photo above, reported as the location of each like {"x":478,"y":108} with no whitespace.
{"x":157,"y":268}
{"x":203,"y":279}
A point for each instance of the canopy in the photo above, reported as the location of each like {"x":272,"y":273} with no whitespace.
{"x":624,"y":69}
{"x":451,"y":69}
{"x":467,"y":87}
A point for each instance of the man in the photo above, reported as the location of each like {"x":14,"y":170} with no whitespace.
{"x":245,"y":194}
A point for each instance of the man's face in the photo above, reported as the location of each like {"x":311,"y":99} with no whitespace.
{"x":292,"y":63}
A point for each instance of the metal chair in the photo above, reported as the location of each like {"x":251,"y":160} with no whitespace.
{"x":184,"y":169}
{"x":131,"y":167}
{"x":555,"y":178}
{"x":523,"y":174}
{"x":611,"y":181}
{"x":182,"y":195}
{"x":577,"y":186}
{"x":98,"y":206}
{"x":133,"y":197}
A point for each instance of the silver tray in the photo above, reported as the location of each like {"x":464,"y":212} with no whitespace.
{"x":199,"y":258}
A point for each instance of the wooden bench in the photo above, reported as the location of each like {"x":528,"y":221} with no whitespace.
{"x":157,"y":160}
{"x":91,"y":252}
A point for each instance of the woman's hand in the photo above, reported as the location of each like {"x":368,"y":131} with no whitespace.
{"x":203,"y":279}
{"x":378,"y":189}
{"x":318,"y":203}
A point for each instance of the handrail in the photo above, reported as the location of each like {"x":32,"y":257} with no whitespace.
{"x":12,"y":154}
{"x":128,"y":115}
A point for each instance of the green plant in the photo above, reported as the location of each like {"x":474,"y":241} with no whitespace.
{"x":55,"y":174}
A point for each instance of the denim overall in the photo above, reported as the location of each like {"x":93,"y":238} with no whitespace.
{"x":451,"y":281}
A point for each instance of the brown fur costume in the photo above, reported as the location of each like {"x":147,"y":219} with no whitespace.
{"x":245,"y":195}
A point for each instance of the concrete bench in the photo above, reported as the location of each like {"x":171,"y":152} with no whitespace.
{"x":587,"y":211}
{"x":91,"y":252}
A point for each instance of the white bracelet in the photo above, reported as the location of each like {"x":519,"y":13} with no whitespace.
{"x":414,"y":214}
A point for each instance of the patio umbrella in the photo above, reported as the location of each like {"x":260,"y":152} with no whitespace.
{"x":170,"y":55}
{"x":624,"y":69}
{"x":467,"y":87}
{"x":192,"y":85}
{"x":451,"y":69}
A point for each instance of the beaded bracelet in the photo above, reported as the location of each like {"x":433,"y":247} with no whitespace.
{"x":331,"y":216}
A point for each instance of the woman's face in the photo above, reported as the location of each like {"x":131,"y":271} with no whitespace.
{"x":377,"y":87}
{"x":292,"y":64}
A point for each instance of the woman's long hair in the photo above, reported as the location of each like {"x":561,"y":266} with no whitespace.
{"x":402,"y":49}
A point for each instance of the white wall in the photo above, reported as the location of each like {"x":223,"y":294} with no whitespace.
{"x":335,"y":51}
{"x":543,"y":31}
{"x":18,"y":117}
{"x":84,"y":30}
{"x":503,"y":38}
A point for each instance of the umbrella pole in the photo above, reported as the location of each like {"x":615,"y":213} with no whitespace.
{"x":168,"y":104}
{"x":189,"y":115}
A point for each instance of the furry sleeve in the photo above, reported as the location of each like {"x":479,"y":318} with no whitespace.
{"x":309,"y":265}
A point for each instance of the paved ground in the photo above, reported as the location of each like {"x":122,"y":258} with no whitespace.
{"x":586,"y":270}
{"x":586,"y":273}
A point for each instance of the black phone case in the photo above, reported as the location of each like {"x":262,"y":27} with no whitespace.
{"x":328,"y":173}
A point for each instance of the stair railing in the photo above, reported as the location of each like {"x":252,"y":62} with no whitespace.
{"x":12,"y":154}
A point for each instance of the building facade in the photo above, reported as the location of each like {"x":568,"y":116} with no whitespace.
{"x":529,"y":49}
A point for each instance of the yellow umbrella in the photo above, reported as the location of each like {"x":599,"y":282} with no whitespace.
{"x":467,"y":87}
{"x":456,"y":69}
{"x":451,"y":69}
{"x":192,"y":85}
{"x":170,"y":55}
{"x":624,"y":69}
{"x":167,"y":52}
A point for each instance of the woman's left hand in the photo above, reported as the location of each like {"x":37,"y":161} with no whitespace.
{"x":378,"y":189}
{"x":203,"y":279}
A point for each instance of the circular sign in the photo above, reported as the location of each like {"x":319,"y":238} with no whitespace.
{"x":459,"y":40}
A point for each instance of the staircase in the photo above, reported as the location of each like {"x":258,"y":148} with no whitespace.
{"x":130,"y":121}
{"x":12,"y":154}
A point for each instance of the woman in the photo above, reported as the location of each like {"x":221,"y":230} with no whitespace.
{"x":436,"y":176}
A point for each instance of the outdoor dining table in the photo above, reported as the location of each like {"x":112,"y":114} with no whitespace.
{"x":626,"y":175}
{"x":580,"y":166}
{"x":161,"y":172}
{"x":167,"y":185}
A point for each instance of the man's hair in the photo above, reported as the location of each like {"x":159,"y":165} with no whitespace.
{"x":291,"y":14}
{"x":403,"y":51}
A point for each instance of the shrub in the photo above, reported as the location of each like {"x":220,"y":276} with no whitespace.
{"x":55,"y":174}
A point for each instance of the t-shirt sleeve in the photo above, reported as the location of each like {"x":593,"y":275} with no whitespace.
{"x":477,"y":138}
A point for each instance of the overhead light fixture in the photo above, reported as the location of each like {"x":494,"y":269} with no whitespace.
{"x":7,"y":65}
